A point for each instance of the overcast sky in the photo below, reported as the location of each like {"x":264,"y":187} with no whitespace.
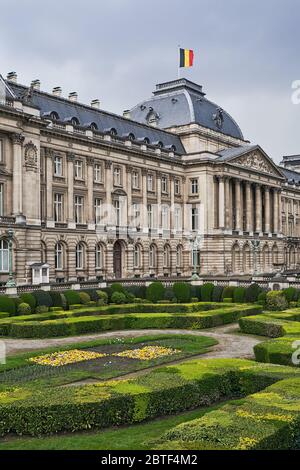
{"x":247,"y":54}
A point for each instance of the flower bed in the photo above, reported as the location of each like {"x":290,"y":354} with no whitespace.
{"x":147,"y":353}
{"x":62,"y":358}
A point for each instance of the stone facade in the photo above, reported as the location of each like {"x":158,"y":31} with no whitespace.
{"x":94,"y":204}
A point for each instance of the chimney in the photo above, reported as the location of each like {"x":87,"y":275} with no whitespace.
{"x":73,"y":96}
{"x":12,"y":77}
{"x":36,"y":84}
{"x":56,"y":91}
{"x":95,"y":104}
{"x":126,"y":114}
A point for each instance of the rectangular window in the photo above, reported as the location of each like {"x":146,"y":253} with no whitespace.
{"x":1,"y":150}
{"x":98,"y":173}
{"x":117,"y":207}
{"x":176,"y":186}
{"x":194,"y":186}
{"x":149,"y":182}
{"x":195,"y":223}
{"x":136,"y":213}
{"x":97,"y":207}
{"x":79,"y":169}
{"x":164,"y":184}
{"x":58,"y":167}
{"x":177,"y":218}
{"x":150,"y":215}
{"x":135,"y":180}
{"x":165,"y":217}
{"x":58,"y":207}
{"x":117,"y":176}
{"x":1,"y":199}
{"x":78,"y":209}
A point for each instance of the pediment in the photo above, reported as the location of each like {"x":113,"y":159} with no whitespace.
{"x":258,"y":161}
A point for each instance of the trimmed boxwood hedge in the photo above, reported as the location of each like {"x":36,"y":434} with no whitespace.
{"x":29,"y":299}
{"x":239,"y":295}
{"x":42,"y":298}
{"x":7,"y":304}
{"x":72,"y":297}
{"x":267,"y":325}
{"x":182,"y":292}
{"x":217,"y":294}
{"x":166,"y":390}
{"x":277,"y":351}
{"x":155,"y":291}
{"x":206,"y":292}
{"x":91,"y":324}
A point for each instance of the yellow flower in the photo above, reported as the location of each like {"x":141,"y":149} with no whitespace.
{"x":246,"y":443}
{"x":147,"y":353}
{"x":62,"y":358}
{"x":265,"y":417}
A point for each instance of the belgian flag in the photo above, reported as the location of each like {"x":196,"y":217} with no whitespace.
{"x":186,"y":57}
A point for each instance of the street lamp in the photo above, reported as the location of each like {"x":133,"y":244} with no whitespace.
{"x":195,"y":245}
{"x":11,"y":282}
{"x":255,"y":246}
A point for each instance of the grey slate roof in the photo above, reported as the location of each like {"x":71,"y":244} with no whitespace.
{"x":229,"y":153}
{"x":86,"y":115}
{"x":181,"y":102}
{"x":292,"y":176}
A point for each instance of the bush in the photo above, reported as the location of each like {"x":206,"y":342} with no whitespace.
{"x":169,"y":294}
{"x":182,"y":292}
{"x":7,"y":304}
{"x":92,"y":293}
{"x":117,"y":287}
{"x":57,"y":299}
{"x":29,"y":299}
{"x":228,"y":293}
{"x":118,"y":298}
{"x":262,"y":298}
{"x":194,"y":299}
{"x":276,"y":300}
{"x":24,"y":309}
{"x":206,"y":292}
{"x":217,"y":294}
{"x":239,"y":295}
{"x":138,"y":291}
{"x":43,"y":298}
{"x":84,"y":298}
{"x":72,"y":297}
{"x":42,"y":309}
{"x":227,"y":300}
{"x":155,"y":291}
{"x":102,"y":296}
{"x":252,"y":292}
{"x":129,"y":297}
{"x":290,"y":294}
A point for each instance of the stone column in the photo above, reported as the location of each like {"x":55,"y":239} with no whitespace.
{"x":186,"y":213}
{"x":49,"y":189}
{"x":144,"y":213}
{"x":90,"y":194}
{"x":127,"y":220}
{"x":279,"y":212}
{"x":108,"y":187}
{"x":158,"y":198}
{"x":258,"y":209}
{"x":221,"y":203}
{"x":238,"y":206}
{"x":275,"y":225}
{"x":249,"y":212}
{"x":172,"y":208}
{"x":17,"y":143}
{"x":70,"y":161}
{"x":267,"y":210}
{"x":227,"y":203}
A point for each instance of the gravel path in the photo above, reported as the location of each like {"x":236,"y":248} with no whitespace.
{"x":230,"y":343}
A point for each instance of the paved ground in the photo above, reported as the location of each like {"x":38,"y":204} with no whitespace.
{"x":230,"y":344}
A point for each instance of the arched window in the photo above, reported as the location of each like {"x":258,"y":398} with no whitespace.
{"x":265,"y":258}
{"x":152,"y":256}
{"x":79,"y":256}
{"x":275,"y":254}
{"x":4,"y":256}
{"x":246,"y":259}
{"x":179,"y":256}
{"x":166,"y":256}
{"x":236,"y":258}
{"x":137,"y":256}
{"x":99,"y":256}
{"x":59,"y":256}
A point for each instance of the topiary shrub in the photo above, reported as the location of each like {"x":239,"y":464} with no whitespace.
{"x":262,"y":298}
{"x":239,"y":295}
{"x":138,"y":291}
{"x":7,"y":304}
{"x":276,"y":300}
{"x":169,"y":294}
{"x":92,"y":293}
{"x":206,"y":292}
{"x":252,"y":293}
{"x":228,"y":292}
{"x":196,"y":292}
{"x":72,"y":297}
{"x":43,"y":298}
{"x":290,"y":294}
{"x":155,"y":291}
{"x":118,"y":298}
{"x":29,"y":299}
{"x":217,"y":294}
{"x":24,"y":309}
{"x":117,"y":287}
{"x":182,"y":292}
{"x":102,"y":296}
{"x":84,"y":298}
{"x":57,"y":299}
{"x":42,"y":309}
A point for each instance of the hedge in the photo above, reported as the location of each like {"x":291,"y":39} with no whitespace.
{"x":163,"y":391}
{"x":93,"y":324}
{"x":43,"y":298}
{"x":266,"y":325}
{"x":268,"y":420}
{"x":217,"y":294}
{"x":228,"y":292}
{"x":277,"y":351}
{"x":252,"y":292}
{"x":7,"y":304}
{"x":206,"y":292}
{"x":29,"y":299}
{"x":239,"y":295}
{"x":57,"y":299}
{"x":72,"y":297}
{"x":155,"y":291}
{"x":182,"y":292}
{"x":276,"y":300}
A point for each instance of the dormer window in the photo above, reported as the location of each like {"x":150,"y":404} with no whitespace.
{"x":74,"y":121}
{"x":111,"y":131}
{"x":54,"y":116}
{"x":93,"y":126}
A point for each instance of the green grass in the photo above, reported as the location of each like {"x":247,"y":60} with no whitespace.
{"x":135,"y":437}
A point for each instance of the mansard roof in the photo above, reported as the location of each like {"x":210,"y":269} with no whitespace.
{"x":180,"y":102}
{"x":293,"y":177}
{"x":64,"y":110}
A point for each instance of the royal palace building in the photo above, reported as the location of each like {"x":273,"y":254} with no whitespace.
{"x":167,"y":189}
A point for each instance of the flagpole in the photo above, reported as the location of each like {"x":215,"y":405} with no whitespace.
{"x":178,"y":71}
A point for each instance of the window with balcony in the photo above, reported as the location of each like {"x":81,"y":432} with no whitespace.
{"x":79,"y":169}
{"x":194,"y":186}
{"x":78,"y":209}
{"x":98,"y":173}
{"x":97,"y":208}
{"x":58,"y":207}
{"x":58,"y":166}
